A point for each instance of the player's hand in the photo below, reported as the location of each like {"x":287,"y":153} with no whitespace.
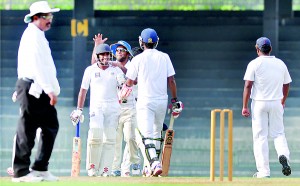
{"x":98,"y":39}
{"x":75,"y":116}
{"x":121,"y":80}
{"x":176,"y":107}
{"x":114,"y":63}
{"x":125,"y":91}
{"x":245,"y":112}
{"x":53,"y":98}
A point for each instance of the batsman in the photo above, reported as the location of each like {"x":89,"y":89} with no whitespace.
{"x":104,"y":111}
{"x":155,"y":72}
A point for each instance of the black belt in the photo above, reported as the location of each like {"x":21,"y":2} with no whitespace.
{"x":27,"y":79}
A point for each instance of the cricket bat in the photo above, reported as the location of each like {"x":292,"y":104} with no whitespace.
{"x":167,"y":150}
{"x":76,"y":153}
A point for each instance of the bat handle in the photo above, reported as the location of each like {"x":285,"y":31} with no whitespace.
{"x":77,"y":129}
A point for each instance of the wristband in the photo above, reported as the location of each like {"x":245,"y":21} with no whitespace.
{"x":174,"y":100}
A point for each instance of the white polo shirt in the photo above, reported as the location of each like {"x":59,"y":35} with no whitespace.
{"x":268,"y":74}
{"x":152,"y":68}
{"x":103,"y":84}
{"x":35,"y":61}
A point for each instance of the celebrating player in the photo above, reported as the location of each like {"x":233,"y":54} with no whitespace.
{"x":104,"y":111}
{"x":267,"y":83}
{"x":154,"y":71}
{"x":127,"y":121}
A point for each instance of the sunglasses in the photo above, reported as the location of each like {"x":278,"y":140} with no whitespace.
{"x":121,"y":50}
{"x":47,"y":17}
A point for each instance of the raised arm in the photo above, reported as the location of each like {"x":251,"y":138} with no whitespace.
{"x":98,"y":39}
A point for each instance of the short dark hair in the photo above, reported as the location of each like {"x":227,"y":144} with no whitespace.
{"x":38,"y":15}
{"x":266,"y":49}
{"x":150,"y":45}
{"x":136,"y":51}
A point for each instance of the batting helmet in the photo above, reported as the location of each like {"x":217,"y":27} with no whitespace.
{"x":102,"y":48}
{"x":121,"y":43}
{"x":149,"y":35}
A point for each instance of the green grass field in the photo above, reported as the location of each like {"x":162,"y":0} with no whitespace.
{"x":161,"y":181}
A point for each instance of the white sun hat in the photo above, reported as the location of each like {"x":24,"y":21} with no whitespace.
{"x":39,"y":7}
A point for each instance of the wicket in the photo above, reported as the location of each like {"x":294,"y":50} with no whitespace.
{"x":222,"y":136}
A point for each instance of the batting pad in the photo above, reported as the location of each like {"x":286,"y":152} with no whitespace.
{"x":94,"y":147}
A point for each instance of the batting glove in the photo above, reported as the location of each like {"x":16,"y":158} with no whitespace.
{"x":121,"y":80}
{"x":125,"y":92}
{"x":76,"y":115}
{"x":176,"y":107}
{"x":14,"y":96}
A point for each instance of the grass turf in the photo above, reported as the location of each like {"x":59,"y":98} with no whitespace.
{"x":161,"y":181}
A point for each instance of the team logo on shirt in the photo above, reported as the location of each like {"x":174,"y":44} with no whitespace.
{"x":112,"y":73}
{"x":97,"y":74}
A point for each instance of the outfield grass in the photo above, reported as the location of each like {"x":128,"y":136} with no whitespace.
{"x":161,"y":181}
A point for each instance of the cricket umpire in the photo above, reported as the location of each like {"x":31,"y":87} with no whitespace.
{"x":37,"y":89}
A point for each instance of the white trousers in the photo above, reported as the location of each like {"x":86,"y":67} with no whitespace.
{"x":126,"y":129}
{"x":267,"y":121}
{"x":102,"y":136}
{"x":150,"y":118}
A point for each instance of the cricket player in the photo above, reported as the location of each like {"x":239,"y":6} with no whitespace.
{"x":104,"y":111}
{"x":267,"y":82}
{"x":127,"y":121}
{"x":154,"y":71}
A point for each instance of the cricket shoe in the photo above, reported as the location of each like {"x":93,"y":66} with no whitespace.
{"x":30,"y":177}
{"x":286,"y":169}
{"x":10,"y":171}
{"x":147,"y":172}
{"x":92,"y":170}
{"x":135,"y":169}
{"x":116,"y":173}
{"x":46,"y":175}
{"x":156,"y":168}
{"x":255,"y":175}
{"x":105,"y":172}
{"x":126,"y":174}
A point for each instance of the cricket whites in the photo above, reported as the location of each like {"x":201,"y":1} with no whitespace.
{"x":76,"y":153}
{"x":167,"y":150}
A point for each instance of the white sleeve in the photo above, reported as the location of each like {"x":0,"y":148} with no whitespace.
{"x":43,"y":68}
{"x":287,"y":77}
{"x":249,"y":74}
{"x":171,"y":71}
{"x":85,"y":84}
{"x":132,"y":70}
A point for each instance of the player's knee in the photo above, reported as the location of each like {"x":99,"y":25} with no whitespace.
{"x":94,"y":136}
{"x":110,"y":141}
{"x":129,"y":139}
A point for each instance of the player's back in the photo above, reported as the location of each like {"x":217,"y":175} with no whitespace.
{"x":153,"y":68}
{"x":270,"y":75}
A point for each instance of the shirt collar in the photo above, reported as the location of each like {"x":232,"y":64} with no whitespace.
{"x":35,"y":28}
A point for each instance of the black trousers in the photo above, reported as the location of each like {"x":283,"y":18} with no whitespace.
{"x":34,"y":113}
